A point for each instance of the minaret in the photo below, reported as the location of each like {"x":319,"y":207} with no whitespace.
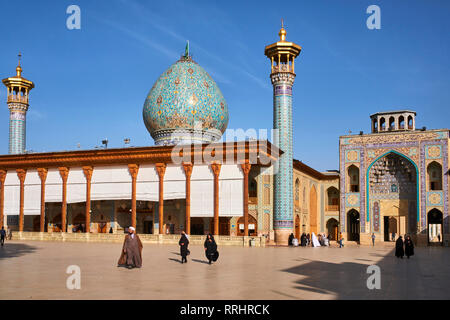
{"x":282,"y":55}
{"x":18,"y":101}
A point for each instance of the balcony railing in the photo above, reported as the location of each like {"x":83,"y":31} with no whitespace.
{"x":332,"y":207}
{"x":283,"y":68}
{"x":16,"y":98}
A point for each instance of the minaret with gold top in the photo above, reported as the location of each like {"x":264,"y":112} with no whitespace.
{"x":18,"y":101}
{"x":282,"y":55}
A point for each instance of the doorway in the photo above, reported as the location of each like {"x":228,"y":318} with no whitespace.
{"x":332,"y":228}
{"x":297,"y":227}
{"x":224,"y":226}
{"x":197,"y":227}
{"x":386,"y":228}
{"x":148,"y":227}
{"x":434,"y":230}
{"x":353,"y":225}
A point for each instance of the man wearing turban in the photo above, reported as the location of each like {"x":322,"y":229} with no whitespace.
{"x":131,"y":256}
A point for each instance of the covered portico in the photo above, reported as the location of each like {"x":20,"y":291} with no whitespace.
{"x":111,"y":189}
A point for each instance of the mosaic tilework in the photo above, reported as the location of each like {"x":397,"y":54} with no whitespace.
{"x":17,"y":132}
{"x":413,"y":146}
{"x":425,"y":147}
{"x":376,"y":216}
{"x":352,"y":200}
{"x":185,"y":97}
{"x":433,"y":152}
{"x":283,"y":180}
{"x":435,"y":198}
{"x":352,"y":156}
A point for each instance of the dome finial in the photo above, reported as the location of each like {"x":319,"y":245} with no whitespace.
{"x":282,"y":32}
{"x":186,"y":50}
{"x":19,"y":68}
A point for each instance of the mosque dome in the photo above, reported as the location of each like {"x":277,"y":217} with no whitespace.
{"x":185,"y":105}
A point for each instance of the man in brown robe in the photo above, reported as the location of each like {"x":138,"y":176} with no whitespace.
{"x":131,"y":256}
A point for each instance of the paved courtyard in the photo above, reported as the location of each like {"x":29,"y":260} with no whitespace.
{"x":37,"y":270}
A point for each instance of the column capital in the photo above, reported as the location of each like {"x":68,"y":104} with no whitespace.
{"x":133,"y":169}
{"x":246,"y":166}
{"x":161,"y":169}
{"x":2,"y":176}
{"x":21,"y":173}
{"x":187,"y":169}
{"x":42,"y":172}
{"x":64,"y":173}
{"x":215,"y":166}
{"x":87,"y":170}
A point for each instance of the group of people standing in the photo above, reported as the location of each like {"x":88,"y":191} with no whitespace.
{"x":405,"y":247}
{"x":309,"y":240}
{"x":131,"y":255}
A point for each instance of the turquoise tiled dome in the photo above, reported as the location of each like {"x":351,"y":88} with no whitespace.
{"x":185,"y":105}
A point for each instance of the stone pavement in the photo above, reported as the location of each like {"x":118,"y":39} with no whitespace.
{"x":37,"y":270}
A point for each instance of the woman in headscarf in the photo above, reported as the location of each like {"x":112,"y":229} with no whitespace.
{"x":184,"y":242}
{"x":131,"y":256}
{"x":210,"y":247}
{"x":409,"y":247}
{"x":291,"y":237}
{"x":399,"y":251}
{"x":303,"y":240}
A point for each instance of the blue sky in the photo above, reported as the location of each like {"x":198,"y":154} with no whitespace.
{"x":91,"y":83}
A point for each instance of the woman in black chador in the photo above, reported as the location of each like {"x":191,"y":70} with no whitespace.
{"x":409,"y":247}
{"x":291,"y":237}
{"x":399,"y":252}
{"x":210,"y":248}
{"x":184,"y":242}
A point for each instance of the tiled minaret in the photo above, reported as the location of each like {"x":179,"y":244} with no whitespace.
{"x":18,"y":93}
{"x":282,"y":55}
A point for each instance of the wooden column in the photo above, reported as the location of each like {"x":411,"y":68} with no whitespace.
{"x":161,"y":169}
{"x":134,"y":169}
{"x":87,"y":170}
{"x":64,"y":173}
{"x":216,"y":170}
{"x":2,"y":196}
{"x":42,"y":172}
{"x":21,"y":173}
{"x":246,"y":169}
{"x":188,"y":171}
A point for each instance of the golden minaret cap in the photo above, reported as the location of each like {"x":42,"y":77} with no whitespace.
{"x":282,"y":32}
{"x":19,"y":68}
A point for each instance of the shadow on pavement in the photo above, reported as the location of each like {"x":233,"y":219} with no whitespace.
{"x":176,"y":260}
{"x":200,"y":261}
{"x":13,"y":250}
{"x":347,"y":280}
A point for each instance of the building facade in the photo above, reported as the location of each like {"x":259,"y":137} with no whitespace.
{"x":394,"y":181}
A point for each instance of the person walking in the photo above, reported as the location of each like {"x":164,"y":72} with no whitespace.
{"x":373,"y":239}
{"x":131,"y":256}
{"x":9,"y":233}
{"x":2,"y":235}
{"x":184,"y":251}
{"x":210,"y":248}
{"x":409,"y":247}
{"x":393,"y":236}
{"x":399,"y":251}
{"x":341,"y":240}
